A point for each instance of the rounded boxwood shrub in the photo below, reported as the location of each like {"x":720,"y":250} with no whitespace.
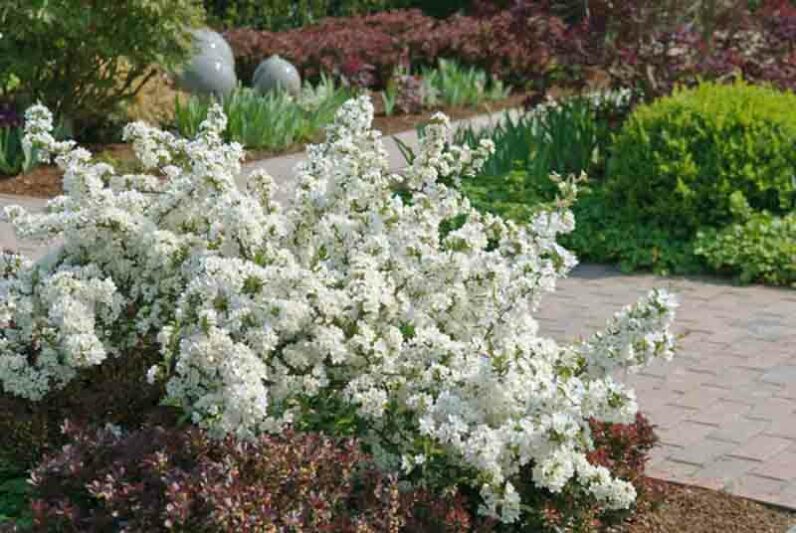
{"x":678,"y":159}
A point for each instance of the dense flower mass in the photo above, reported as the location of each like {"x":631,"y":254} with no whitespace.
{"x":387,"y":293}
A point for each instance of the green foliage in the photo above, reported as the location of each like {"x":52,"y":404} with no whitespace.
{"x":576,"y":136}
{"x":272,"y":121}
{"x":14,"y":494}
{"x":84,"y":59}
{"x":513,"y":195}
{"x":13,"y":157}
{"x":454,"y":85}
{"x":278,"y":15}
{"x":389,"y":97}
{"x":571,"y":137}
{"x":513,"y":138}
{"x":757,"y":247}
{"x":604,"y":233}
{"x":568,"y":137}
{"x":678,"y":159}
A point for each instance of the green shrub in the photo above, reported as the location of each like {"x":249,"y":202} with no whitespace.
{"x":14,"y":494}
{"x":677,"y":160}
{"x":278,"y":15}
{"x":83,"y":59}
{"x":570,"y":137}
{"x":757,"y":247}
{"x":604,"y":233}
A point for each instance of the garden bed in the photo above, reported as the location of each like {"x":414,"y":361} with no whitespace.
{"x":45,"y":181}
{"x":698,"y":510}
{"x":679,"y":508}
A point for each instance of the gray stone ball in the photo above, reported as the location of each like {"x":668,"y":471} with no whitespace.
{"x":276,"y":73}
{"x":208,"y":74}
{"x":210,"y":42}
{"x":211,"y":70}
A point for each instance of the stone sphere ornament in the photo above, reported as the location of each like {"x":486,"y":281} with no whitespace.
{"x":210,"y":42}
{"x":208,"y":74}
{"x":211,"y":69}
{"x":276,"y":73}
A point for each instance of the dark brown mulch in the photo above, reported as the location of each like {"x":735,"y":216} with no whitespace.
{"x":696,"y":510}
{"x":45,"y":181}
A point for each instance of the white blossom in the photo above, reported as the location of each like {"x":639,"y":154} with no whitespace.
{"x":389,"y":293}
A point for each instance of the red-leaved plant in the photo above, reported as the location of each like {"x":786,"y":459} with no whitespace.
{"x":157,"y":479}
{"x":651,"y":44}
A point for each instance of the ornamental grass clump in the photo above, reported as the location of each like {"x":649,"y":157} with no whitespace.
{"x":273,"y":121}
{"x":374,"y":305}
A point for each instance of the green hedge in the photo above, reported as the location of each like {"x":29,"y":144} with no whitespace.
{"x":677,"y":160}
{"x":278,"y":15}
{"x":713,"y":190}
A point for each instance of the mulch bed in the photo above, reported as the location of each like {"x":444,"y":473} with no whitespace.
{"x":696,"y":510}
{"x":45,"y":181}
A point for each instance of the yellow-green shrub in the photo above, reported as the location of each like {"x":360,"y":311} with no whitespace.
{"x":677,"y":160}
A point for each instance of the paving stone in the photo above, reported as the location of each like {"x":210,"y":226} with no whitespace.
{"x":739,"y":430}
{"x":669,"y":415}
{"x":698,"y":397}
{"x":673,"y":471}
{"x":780,"y":466}
{"x":724,"y":471}
{"x":759,"y":488}
{"x":787,"y":498}
{"x":780,"y":374}
{"x":772,"y":409}
{"x":761,"y":447}
{"x":684,"y":433}
{"x":705,"y":452}
{"x":720,"y":412}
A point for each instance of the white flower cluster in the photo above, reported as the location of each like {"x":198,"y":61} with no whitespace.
{"x":599,"y":100}
{"x":388,"y":292}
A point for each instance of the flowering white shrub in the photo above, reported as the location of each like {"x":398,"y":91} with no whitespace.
{"x":388,"y":293}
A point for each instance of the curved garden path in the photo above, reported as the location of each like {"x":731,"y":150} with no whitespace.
{"x":725,"y":407}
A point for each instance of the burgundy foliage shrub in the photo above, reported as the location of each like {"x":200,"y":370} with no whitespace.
{"x":516,"y":45}
{"x":363,"y":49}
{"x":759,"y":46}
{"x":652,"y":44}
{"x":157,"y":479}
{"x":116,"y":392}
{"x":623,"y":449}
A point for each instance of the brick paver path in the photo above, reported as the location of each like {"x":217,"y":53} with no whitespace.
{"x":725,"y":407}
{"x":8,"y":240}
